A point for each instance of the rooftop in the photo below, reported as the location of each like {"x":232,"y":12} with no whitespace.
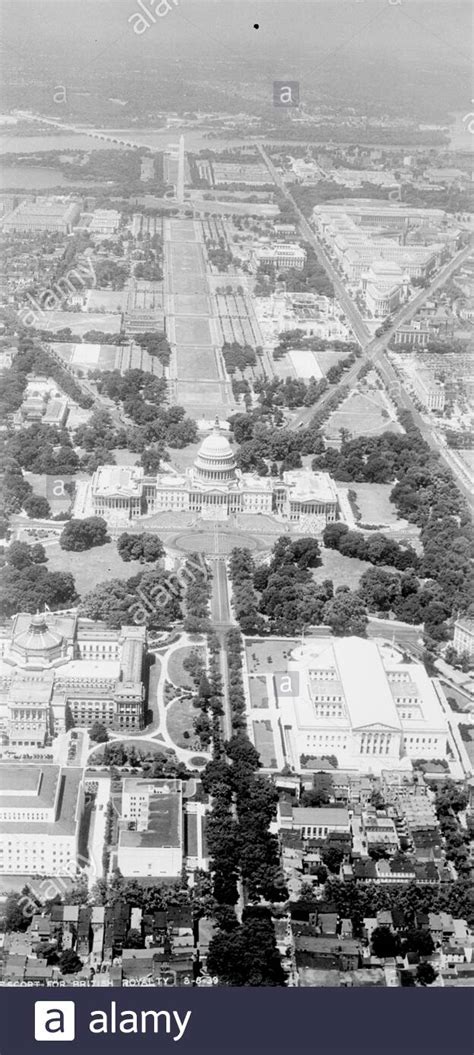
{"x":323,"y":816}
{"x":164,"y":824}
{"x":66,"y":812}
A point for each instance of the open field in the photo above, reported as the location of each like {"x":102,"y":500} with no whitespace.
{"x":190,"y":304}
{"x":374,"y":503}
{"x":81,"y":322}
{"x":196,"y":363}
{"x":192,"y":329}
{"x":190,"y":281}
{"x":93,"y":567}
{"x":182,"y":230}
{"x":204,"y":398}
{"x":176,"y":672}
{"x":344,"y":571}
{"x":361,"y":414}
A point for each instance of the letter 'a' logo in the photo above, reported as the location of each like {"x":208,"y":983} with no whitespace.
{"x":287,"y":684}
{"x":55,"y":1020}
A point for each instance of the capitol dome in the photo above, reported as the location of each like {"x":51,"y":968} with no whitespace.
{"x":39,"y":644}
{"x":215,"y":463}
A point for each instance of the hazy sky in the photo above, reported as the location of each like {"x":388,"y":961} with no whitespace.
{"x":401,"y":54}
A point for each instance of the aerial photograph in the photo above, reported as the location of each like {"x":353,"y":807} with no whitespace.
{"x":236,"y":537}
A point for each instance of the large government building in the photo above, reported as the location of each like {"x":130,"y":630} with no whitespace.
{"x":214,"y":488}
{"x":358,"y":700}
{"x":57,"y":665}
{"x":40,"y":813}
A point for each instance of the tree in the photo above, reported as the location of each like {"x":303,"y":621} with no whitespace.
{"x":379,"y":589}
{"x":418,"y":940}
{"x":145,"y":548}
{"x":321,"y":791}
{"x":37,"y":507}
{"x":246,"y":955}
{"x":384,"y":942}
{"x":69,"y":962}
{"x":332,"y":857}
{"x":98,"y":733}
{"x":345,"y":614}
{"x":15,"y":917}
{"x":425,"y":974}
{"x":20,"y":555}
{"x":133,"y":940}
{"x":79,"y":535}
{"x":30,"y":589}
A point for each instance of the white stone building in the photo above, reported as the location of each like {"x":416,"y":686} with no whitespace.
{"x":57,"y":664}
{"x":431,"y":392}
{"x":40,"y":814}
{"x":215,"y":488}
{"x":282,"y":254}
{"x":150,"y":839}
{"x":358,"y":700}
{"x":464,"y":636}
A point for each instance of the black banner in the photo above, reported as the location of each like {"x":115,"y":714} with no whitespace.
{"x":238,"y":1021}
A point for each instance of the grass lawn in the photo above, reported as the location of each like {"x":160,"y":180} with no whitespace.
{"x":269,"y":654}
{"x":258,"y":692}
{"x":265,"y":744}
{"x":179,"y":720}
{"x":195,"y":363}
{"x":374,"y":503}
{"x":195,"y":330}
{"x":344,"y":571}
{"x":92,"y":566}
{"x":176,"y":672}
{"x":362,"y":414}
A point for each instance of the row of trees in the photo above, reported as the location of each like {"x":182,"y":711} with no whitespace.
{"x":376,"y":549}
{"x":197,"y":594}
{"x":242,"y":850}
{"x":291,"y":392}
{"x":354,"y":901}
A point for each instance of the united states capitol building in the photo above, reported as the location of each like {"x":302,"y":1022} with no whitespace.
{"x":215,"y":489}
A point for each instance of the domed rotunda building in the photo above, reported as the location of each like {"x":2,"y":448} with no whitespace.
{"x":214,"y":489}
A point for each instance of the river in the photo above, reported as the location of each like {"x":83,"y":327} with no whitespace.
{"x":157,"y":138}
{"x":31,"y":178}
